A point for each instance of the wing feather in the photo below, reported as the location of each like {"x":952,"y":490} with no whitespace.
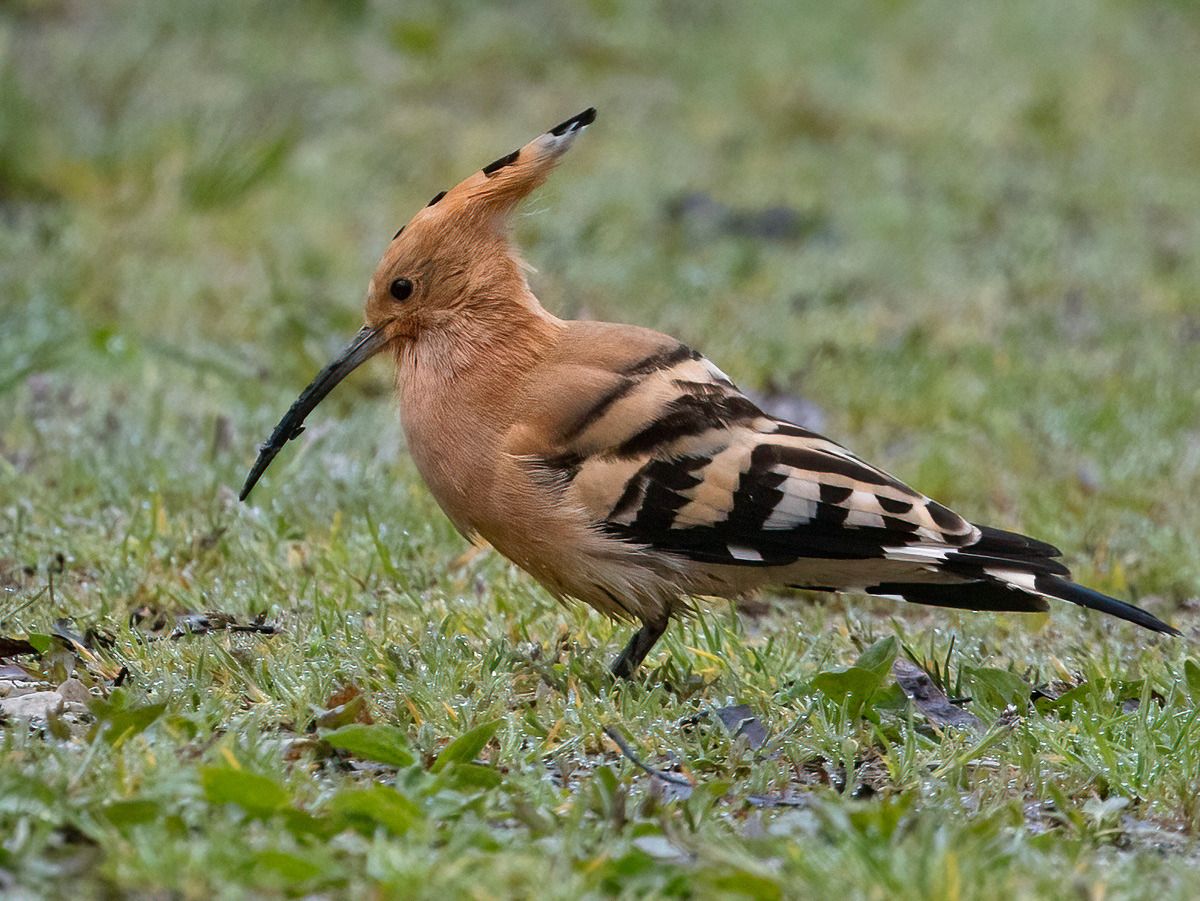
{"x":666,"y":455}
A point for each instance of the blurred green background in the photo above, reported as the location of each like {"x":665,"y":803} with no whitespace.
{"x":959,"y":235}
{"x":979,"y":268}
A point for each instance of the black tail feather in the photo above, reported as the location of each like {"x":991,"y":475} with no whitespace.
{"x":1013,"y":547}
{"x":980,"y":595}
{"x":992,"y":594}
{"x":1094,"y":600}
{"x":1001,"y":543}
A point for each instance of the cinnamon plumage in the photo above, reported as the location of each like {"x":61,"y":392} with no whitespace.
{"x":620,"y":467}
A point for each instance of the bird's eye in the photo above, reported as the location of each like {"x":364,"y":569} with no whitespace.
{"x":400,"y":288}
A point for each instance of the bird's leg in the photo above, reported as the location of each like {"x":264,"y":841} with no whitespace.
{"x":639,"y":646}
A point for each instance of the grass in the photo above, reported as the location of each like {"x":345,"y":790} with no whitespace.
{"x":992,"y":292}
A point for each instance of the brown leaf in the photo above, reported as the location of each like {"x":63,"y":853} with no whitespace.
{"x":12,"y":647}
{"x":929,"y":699}
{"x":215,"y":621}
{"x":346,"y":705}
{"x":741,"y":722}
{"x":14,"y":672}
{"x":149,"y":618}
{"x":258,"y":625}
{"x":353,"y":711}
{"x":343,"y":695}
{"x":63,"y":632}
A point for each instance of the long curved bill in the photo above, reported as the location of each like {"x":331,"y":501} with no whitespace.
{"x":365,"y":345}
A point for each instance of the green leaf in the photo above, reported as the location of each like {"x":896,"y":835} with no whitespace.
{"x":118,"y":726}
{"x":40,"y":642}
{"x":468,"y":777}
{"x":131,"y":812}
{"x":379,"y":742}
{"x":1191,"y":675}
{"x":379,"y":804}
{"x":878,"y":657}
{"x":838,"y":685}
{"x":630,"y":864}
{"x":302,"y":824}
{"x":292,"y":868}
{"x":880,"y":820}
{"x":853,"y":687}
{"x":466,"y":747}
{"x":997,"y":688}
{"x":256,"y":794}
{"x":751,"y":885}
{"x":703,"y":798}
{"x":1065,"y":703}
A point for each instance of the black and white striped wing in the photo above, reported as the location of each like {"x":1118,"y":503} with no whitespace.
{"x":778,"y":497}
{"x":678,"y":461}
{"x":674,"y":457}
{"x":767,"y":493}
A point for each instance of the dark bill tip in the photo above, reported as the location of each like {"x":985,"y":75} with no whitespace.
{"x":365,"y":345}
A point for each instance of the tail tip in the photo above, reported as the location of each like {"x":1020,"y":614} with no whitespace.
{"x":1066,"y":590}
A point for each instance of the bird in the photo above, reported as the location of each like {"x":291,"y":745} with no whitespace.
{"x":620,"y":467}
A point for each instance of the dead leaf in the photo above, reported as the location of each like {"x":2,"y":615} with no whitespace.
{"x":258,"y":625}
{"x":63,"y":632}
{"x":14,"y":672}
{"x":929,"y":699}
{"x":346,"y":705}
{"x":148,"y":618}
{"x":199,"y":624}
{"x":215,"y":621}
{"x":13,"y":647}
{"x":741,"y":722}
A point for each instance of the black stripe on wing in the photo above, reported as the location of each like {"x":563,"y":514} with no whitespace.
{"x":659,"y":360}
{"x":763,"y":524}
{"x":597,"y":410}
{"x":778,"y":547}
{"x":661,"y":493}
{"x":819,"y":461}
{"x":702,"y":410}
{"x":646,"y":513}
{"x":738,"y":541}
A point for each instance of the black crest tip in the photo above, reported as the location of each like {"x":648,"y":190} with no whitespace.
{"x":587,"y":117}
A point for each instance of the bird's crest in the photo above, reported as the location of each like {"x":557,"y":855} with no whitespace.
{"x":491,"y":193}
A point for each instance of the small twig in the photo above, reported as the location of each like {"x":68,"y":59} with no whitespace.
{"x":621,"y":743}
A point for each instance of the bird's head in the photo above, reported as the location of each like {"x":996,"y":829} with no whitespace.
{"x":454,"y":253}
{"x":452,"y":259}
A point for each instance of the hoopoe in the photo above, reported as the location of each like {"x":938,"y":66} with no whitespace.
{"x":620,"y":467}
